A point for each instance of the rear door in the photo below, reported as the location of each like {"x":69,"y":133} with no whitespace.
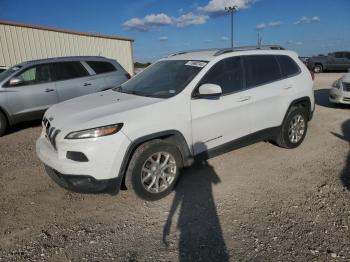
{"x":271,"y":91}
{"x":36,"y":93}
{"x":72,"y":80}
{"x":109,"y":74}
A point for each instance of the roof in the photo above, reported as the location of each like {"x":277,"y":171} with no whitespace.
{"x":65,"y":58}
{"x":210,"y":54}
{"x":10,"y":23}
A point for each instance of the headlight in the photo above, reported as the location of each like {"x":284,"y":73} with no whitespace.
{"x":336,"y":84}
{"x":95,"y":132}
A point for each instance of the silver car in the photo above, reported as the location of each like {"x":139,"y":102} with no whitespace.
{"x":28,"y":89}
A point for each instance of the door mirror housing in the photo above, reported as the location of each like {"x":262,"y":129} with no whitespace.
{"x":15,"y":81}
{"x":209,"y":90}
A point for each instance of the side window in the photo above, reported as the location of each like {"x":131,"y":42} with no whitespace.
{"x":68,"y":70}
{"x":35,"y":75}
{"x":288,"y":66}
{"x":101,"y":67}
{"x":338,"y":55}
{"x":261,"y":69}
{"x":227,"y":73}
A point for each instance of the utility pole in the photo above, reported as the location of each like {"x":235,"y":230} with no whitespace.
{"x":231,"y":10}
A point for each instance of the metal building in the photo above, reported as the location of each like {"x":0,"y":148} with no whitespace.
{"x":22,"y":42}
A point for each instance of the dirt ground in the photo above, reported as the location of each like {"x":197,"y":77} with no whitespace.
{"x":258,"y":203}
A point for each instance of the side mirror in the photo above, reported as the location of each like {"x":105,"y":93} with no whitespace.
{"x":15,"y":81}
{"x":209,"y":90}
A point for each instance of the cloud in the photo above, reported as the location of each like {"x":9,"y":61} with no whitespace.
{"x":151,"y":21}
{"x":217,"y":7}
{"x":299,"y":43}
{"x":163,"y":38}
{"x":269,"y":24}
{"x":224,"y":38}
{"x":146,"y":23}
{"x":308,"y":20}
{"x":190,"y":19}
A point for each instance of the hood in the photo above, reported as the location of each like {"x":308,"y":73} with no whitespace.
{"x":87,"y":111}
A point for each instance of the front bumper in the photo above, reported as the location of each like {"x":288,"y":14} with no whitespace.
{"x":84,"y":184}
{"x":104,"y":156}
{"x":339,"y":97}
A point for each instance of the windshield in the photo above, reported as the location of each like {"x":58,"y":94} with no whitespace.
{"x":8,"y":72}
{"x":164,"y":79}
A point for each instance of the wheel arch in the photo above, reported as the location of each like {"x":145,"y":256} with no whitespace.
{"x":173,"y":137}
{"x":6,"y":114}
{"x":303,"y":102}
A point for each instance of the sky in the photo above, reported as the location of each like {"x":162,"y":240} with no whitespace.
{"x":161,"y":27}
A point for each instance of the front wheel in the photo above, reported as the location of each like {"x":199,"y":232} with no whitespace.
{"x":294,"y":128}
{"x":153,"y":170}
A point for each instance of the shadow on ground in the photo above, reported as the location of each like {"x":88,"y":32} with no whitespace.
{"x":21,"y":126}
{"x":321,"y":98}
{"x":345,"y":174}
{"x":201,"y":236}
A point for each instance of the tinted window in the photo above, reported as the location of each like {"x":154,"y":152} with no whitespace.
{"x":338,"y":55}
{"x":35,"y":75}
{"x":347,"y":55}
{"x":227,"y":74}
{"x":69,"y":70}
{"x":288,"y":66}
{"x":261,"y":69}
{"x":101,"y":67}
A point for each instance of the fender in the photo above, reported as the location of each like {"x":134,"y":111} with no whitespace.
{"x":172,"y":136}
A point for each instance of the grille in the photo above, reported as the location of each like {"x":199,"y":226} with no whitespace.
{"x":51,"y":132}
{"x":346,"y":87}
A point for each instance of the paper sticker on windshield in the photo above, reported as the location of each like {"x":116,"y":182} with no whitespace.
{"x":196,"y":63}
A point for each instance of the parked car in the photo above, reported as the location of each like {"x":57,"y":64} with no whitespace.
{"x":2,"y":69}
{"x":30,"y":88}
{"x":337,"y":61}
{"x":183,"y":108}
{"x":340,"y":91}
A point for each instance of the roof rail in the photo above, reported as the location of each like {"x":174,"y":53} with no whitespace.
{"x":247,"y":48}
{"x":191,"y":51}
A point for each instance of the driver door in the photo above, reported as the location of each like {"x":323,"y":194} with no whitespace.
{"x":218,"y":120}
{"x":34,"y":93}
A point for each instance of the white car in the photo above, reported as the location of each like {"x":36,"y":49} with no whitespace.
{"x":340,"y":91}
{"x":189,"y":106}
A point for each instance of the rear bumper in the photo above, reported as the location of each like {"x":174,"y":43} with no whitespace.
{"x":83,"y":184}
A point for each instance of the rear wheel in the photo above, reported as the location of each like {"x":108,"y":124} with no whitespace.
{"x":293,"y":129}
{"x":153,"y":170}
{"x":3,"y":124}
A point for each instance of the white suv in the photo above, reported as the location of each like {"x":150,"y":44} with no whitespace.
{"x":189,"y":106}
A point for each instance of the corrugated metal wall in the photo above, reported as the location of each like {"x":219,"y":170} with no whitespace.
{"x":18,"y":44}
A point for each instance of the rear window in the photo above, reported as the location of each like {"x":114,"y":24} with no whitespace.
{"x":288,"y":66}
{"x":68,"y":70}
{"x":261,"y":69}
{"x":101,"y":67}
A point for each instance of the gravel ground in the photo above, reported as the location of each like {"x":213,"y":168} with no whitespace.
{"x":258,"y":203}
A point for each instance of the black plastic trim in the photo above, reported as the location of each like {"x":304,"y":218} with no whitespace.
{"x":82,"y":183}
{"x":266,"y":134}
{"x":77,"y":156}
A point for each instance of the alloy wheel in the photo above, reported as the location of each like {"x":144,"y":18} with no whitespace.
{"x":296,"y":128}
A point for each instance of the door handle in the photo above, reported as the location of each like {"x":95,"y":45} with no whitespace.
{"x":244,"y":98}
{"x":49,"y":90}
{"x":87,"y":84}
{"x":287,"y":87}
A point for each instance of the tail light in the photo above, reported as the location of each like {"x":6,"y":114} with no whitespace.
{"x":128,"y":76}
{"x":312,"y":73}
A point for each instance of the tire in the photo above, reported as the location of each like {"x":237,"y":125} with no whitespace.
{"x":3,"y":124}
{"x":290,"y":135}
{"x":144,"y":159}
{"x":318,"y":68}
